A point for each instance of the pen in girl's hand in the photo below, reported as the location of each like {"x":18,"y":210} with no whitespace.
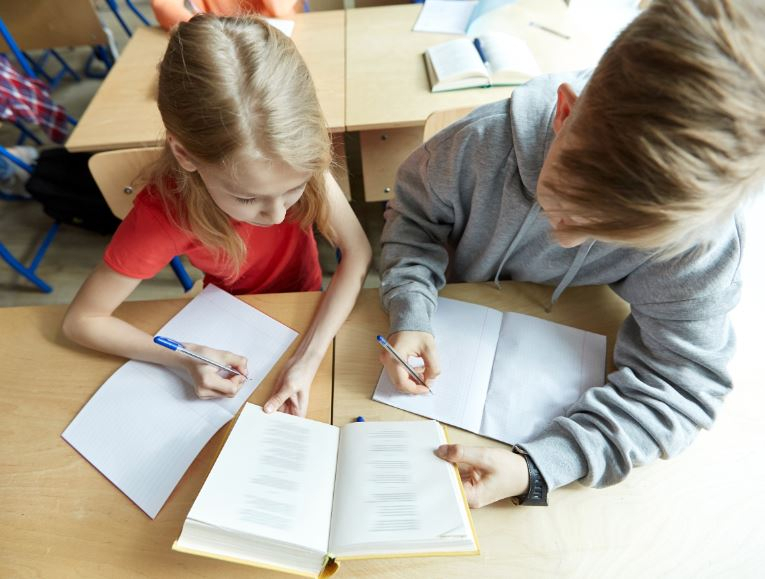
{"x":178,"y":347}
{"x":384,"y":343}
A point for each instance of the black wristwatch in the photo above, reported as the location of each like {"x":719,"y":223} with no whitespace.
{"x":536,"y":496}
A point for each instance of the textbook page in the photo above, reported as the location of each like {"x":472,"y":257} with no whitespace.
{"x":456,"y":60}
{"x":273,"y":480}
{"x":466,"y":339}
{"x":393,"y":495}
{"x":144,"y":426}
{"x":540,"y":369}
{"x":510,"y":59}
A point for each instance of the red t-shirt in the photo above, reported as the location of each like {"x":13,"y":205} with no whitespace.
{"x":280,"y":258}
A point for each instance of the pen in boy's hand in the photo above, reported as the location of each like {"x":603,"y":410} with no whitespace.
{"x":178,"y":347}
{"x":384,"y":343}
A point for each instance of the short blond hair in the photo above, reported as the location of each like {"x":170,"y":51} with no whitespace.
{"x":228,"y":85}
{"x":669,"y":132}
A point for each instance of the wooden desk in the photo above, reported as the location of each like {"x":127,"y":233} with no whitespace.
{"x":388,"y":95}
{"x":123,"y":113}
{"x":698,"y":515}
{"x":60,"y":517}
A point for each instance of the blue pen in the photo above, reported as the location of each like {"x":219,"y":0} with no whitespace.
{"x":178,"y":347}
{"x":359,"y":419}
{"x":384,"y":343}
{"x":477,"y":44}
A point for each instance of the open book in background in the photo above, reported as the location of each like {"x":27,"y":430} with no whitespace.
{"x":503,"y":375}
{"x":493,"y":59}
{"x":145,"y":425}
{"x":292,"y":494}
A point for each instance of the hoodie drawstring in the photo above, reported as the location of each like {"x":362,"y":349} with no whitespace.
{"x":573,"y":269}
{"x":528,"y":220}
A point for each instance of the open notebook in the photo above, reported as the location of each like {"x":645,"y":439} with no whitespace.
{"x":292,"y":494}
{"x":145,"y":426}
{"x":503,"y":375}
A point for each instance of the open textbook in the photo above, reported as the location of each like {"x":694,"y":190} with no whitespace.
{"x":503,"y":375}
{"x":493,"y":59}
{"x":292,"y":494}
{"x":145,"y":425}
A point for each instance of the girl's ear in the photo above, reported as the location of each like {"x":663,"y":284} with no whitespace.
{"x":181,"y":155}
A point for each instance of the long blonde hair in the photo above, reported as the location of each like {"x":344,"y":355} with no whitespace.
{"x":668,"y":137}
{"x":232,"y":84}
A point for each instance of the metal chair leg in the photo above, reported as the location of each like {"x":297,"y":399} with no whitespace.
{"x":181,"y":273}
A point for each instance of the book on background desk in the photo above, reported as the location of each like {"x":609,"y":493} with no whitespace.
{"x":145,"y":425}
{"x":503,"y":375}
{"x":493,"y":59}
{"x":292,"y":494}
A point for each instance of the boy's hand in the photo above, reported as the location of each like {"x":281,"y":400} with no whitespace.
{"x":488,"y":474}
{"x":292,"y":390}
{"x":411,"y":344}
{"x":209,"y":381}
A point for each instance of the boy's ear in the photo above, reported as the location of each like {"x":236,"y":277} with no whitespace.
{"x":181,"y":155}
{"x":566,"y":100}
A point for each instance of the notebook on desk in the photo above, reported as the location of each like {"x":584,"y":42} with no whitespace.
{"x":503,"y":375}
{"x":145,"y":425}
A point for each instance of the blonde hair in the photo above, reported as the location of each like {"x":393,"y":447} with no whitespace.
{"x":233,"y":84}
{"x":668,"y":137}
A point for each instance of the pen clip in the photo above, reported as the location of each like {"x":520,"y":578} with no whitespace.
{"x":167,"y":343}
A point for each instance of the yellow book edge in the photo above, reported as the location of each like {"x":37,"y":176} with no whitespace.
{"x":332,"y":563}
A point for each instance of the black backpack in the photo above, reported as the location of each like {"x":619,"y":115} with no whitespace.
{"x":62,"y":182}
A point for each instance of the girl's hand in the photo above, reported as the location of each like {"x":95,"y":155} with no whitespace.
{"x":291,"y":393}
{"x":209,"y":381}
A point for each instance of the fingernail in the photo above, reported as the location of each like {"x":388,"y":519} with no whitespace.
{"x":441,"y":452}
{"x":269,"y":408}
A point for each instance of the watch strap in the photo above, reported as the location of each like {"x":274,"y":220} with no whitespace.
{"x":536,"y":496}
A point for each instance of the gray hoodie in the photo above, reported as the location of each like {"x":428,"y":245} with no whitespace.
{"x":465,"y":204}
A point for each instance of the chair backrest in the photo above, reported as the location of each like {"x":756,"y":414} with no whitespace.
{"x":442,"y":119}
{"x":116,"y":174}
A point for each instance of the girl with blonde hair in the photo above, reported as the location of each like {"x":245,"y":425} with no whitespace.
{"x":243,"y":178}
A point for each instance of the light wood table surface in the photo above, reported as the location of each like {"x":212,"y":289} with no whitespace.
{"x":59,"y":516}
{"x":388,"y":94}
{"x":697,"y":515}
{"x":123,"y":113}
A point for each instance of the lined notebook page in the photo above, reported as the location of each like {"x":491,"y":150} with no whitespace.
{"x":466,"y":337}
{"x":540,"y":369}
{"x":144,"y":426}
{"x":502,"y":376}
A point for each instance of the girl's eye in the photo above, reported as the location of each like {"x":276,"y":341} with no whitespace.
{"x":247,"y":200}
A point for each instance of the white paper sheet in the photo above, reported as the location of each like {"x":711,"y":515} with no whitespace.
{"x":540,"y":369}
{"x":466,"y":337}
{"x":144,"y":426}
{"x":286,"y":26}
{"x":519,"y":372}
{"x":454,"y":16}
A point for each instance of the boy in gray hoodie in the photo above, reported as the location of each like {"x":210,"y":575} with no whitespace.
{"x":634,"y":183}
